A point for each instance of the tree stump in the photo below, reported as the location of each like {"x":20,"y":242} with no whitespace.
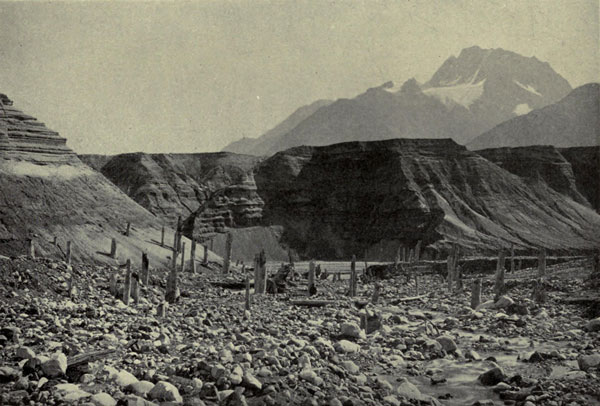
{"x":205,"y":257}
{"x":127,"y":287}
{"x":311,"y":277}
{"x":193,"y":257}
{"x":161,"y":310}
{"x":476,"y":293}
{"x":499,"y":287}
{"x":31,"y":253}
{"x":228,"y":249}
{"x":542,"y":263}
{"x":145,"y":269}
{"x":113,"y":248}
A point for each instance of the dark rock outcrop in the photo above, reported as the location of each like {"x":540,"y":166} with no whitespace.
{"x":217,"y":189}
{"x":343,"y":199}
{"x":538,"y":164}
{"x":585,"y":162}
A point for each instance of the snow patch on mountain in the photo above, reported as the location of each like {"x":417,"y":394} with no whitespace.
{"x":465,"y":94}
{"x":529,"y":88}
{"x":521,"y":109}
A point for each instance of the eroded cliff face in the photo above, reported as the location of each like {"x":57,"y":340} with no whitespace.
{"x":340,"y":200}
{"x":537,"y":164}
{"x":46,"y":192}
{"x":585,"y":162}
{"x":217,"y":189}
{"x":22,"y":137}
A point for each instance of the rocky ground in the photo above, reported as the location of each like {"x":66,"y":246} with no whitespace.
{"x":89,"y":348}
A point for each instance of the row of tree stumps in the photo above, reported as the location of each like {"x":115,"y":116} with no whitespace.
{"x":538,"y":293}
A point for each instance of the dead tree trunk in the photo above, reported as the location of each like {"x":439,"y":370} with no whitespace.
{"x":247,"y":283}
{"x":127,"y":287}
{"x":499,"y":288}
{"x":542,"y":263}
{"x":352,"y":287}
{"x":311,"y":277}
{"x":512,"y":258}
{"x":476,"y":293}
{"x":113,"y":248}
{"x":183,"y":257}
{"x":193,"y":257}
{"x":145,"y":269}
{"x":228,"y":249}
{"x":205,"y":257}
{"x":260,"y":284}
{"x":31,"y":249}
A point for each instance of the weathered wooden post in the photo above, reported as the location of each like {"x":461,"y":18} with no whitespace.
{"x":352,"y":290}
{"x":450,"y":269}
{"x":260,"y":273}
{"x":418,"y":251}
{"x":212,"y":243}
{"x":538,"y":293}
{"x":290,"y":258}
{"x":145,"y":269}
{"x":55,"y":241}
{"x":247,"y":283}
{"x":178,"y":234}
{"x":417,"y":284}
{"x":128,"y":230}
{"x":135,"y":289}
{"x":193,"y":257}
{"x":31,"y":249}
{"x":68,"y":252}
{"x":112,"y":287}
{"x":205,"y":258}
{"x":499,"y":282}
{"x":171,"y":294}
{"x":366,"y":265}
{"x":476,"y":293}
{"x":375,"y":297}
{"x":398,"y":258}
{"x":542,"y":263}
{"x":183,"y":257}
{"x":520,"y":264}
{"x":113,"y":248}
{"x":227,"y":260}
{"x":127,"y":287}
{"x":512,"y":258}
{"x":162,"y":236}
{"x":311,"y":276}
{"x":161,"y":310}
{"x":70,"y":285}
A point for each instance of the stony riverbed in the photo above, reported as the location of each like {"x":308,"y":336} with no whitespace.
{"x":91,"y":349}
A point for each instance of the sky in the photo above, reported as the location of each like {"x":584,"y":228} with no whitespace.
{"x":193,"y":76}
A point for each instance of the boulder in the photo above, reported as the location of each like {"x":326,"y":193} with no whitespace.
{"x":166,"y":392}
{"x":55,"y":366}
{"x":492,"y":377}
{"x":352,"y":330}
{"x":593,"y":325}
{"x":447,"y":344}
{"x":587,"y":362}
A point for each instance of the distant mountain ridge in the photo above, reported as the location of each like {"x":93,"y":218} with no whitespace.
{"x":574,"y":121}
{"x":467,"y":96}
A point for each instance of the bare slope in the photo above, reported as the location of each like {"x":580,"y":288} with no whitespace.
{"x":343,"y":199}
{"x":47,"y":192}
{"x":467,"y":96}
{"x":574,"y":121}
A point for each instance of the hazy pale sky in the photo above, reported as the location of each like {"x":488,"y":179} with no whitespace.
{"x":194,"y":76}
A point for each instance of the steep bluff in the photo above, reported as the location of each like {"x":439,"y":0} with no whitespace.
{"x":23,"y":137}
{"x":343,"y":199}
{"x":46,"y":192}
{"x":585,"y":162}
{"x":538,"y":164}
{"x":217,"y":188}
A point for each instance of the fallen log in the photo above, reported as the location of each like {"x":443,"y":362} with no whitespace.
{"x":312,"y":302}
{"x":409,"y":299}
{"x":86,"y":357}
